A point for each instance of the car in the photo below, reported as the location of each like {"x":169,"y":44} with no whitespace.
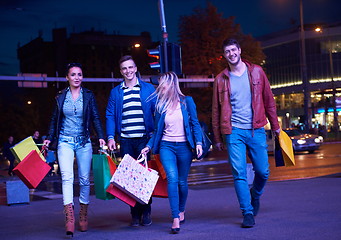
{"x":270,"y":141}
{"x":304,"y":141}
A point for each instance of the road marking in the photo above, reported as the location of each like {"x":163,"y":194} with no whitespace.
{"x":45,"y":194}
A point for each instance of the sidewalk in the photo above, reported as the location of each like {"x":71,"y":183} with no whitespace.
{"x":297,"y":209}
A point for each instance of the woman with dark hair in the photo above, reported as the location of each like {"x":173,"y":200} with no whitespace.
{"x":176,"y":136}
{"x":74,"y":112}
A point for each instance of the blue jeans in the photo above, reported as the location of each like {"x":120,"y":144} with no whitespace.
{"x":237,"y":143}
{"x":133,"y":147}
{"x":176,"y":158}
{"x":68,"y":149}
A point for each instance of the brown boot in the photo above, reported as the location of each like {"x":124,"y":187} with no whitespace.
{"x":69,"y":219}
{"x":83,"y":217}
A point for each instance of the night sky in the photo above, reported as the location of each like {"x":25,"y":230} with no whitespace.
{"x":22,"y":20}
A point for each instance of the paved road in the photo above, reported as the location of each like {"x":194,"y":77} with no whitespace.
{"x":292,"y":209}
{"x":301,"y":209}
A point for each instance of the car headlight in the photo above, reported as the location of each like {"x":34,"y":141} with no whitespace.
{"x":301,"y":141}
{"x":321,"y":138}
{"x":317,"y":140}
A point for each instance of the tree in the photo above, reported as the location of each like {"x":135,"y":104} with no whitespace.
{"x":201,"y":36}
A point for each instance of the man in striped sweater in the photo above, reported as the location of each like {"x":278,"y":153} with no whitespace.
{"x":129,"y":117}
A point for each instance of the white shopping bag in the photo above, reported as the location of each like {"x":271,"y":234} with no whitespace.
{"x":135,"y":179}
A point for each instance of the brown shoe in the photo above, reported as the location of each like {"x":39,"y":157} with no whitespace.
{"x":83,"y":217}
{"x":69,"y":219}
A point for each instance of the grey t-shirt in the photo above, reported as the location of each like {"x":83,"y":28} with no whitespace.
{"x":241,"y":101}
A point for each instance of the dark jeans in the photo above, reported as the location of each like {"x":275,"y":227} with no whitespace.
{"x":133,"y":147}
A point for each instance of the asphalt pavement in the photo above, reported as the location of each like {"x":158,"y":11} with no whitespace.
{"x":296,"y":209}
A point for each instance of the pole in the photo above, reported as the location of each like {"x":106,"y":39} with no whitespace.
{"x":164,"y":35}
{"x":335,"y":120}
{"x":304,"y":71}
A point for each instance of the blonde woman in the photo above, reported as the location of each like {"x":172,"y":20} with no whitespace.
{"x":177,"y":134}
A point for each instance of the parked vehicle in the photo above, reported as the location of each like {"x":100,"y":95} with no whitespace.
{"x":303,"y":141}
{"x":270,"y":141}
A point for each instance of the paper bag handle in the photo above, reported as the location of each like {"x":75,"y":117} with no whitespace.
{"x":142,"y":158}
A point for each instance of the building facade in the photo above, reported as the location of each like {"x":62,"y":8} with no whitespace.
{"x":97,"y":51}
{"x":323,"y":62}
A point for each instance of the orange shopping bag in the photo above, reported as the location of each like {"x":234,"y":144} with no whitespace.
{"x":160,"y":189}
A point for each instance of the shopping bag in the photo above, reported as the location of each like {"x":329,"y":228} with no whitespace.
{"x":159,"y":166}
{"x":160,"y":189}
{"x":136,"y":180}
{"x":16,"y":192}
{"x":23,"y":148}
{"x":284,"y":152}
{"x":50,"y":156}
{"x":115,"y":191}
{"x":103,"y":168}
{"x":32,"y":169}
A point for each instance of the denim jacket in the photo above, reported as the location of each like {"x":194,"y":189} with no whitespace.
{"x":90,"y":115}
{"x":115,"y":107}
{"x":191,"y":124}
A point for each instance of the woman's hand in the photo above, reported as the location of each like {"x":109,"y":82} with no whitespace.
{"x":46,"y":143}
{"x":101,"y":142}
{"x":145,"y":150}
{"x":219,"y":146}
{"x":199,"y":150}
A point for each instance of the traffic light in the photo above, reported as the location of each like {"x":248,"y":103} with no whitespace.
{"x":173,"y":60}
{"x":157,"y":54}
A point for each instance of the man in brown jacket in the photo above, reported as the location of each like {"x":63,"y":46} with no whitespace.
{"x":242,"y":103}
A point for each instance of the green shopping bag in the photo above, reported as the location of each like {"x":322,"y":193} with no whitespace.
{"x":103,"y":168}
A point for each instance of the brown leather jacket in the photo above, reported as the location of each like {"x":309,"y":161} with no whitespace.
{"x":263,"y":103}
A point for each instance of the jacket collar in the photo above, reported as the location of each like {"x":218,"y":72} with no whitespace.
{"x":123,"y":84}
{"x":248,"y":64}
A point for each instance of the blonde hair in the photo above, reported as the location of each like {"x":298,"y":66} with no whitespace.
{"x":168,"y":98}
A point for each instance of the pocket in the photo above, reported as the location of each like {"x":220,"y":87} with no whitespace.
{"x":256,"y":85}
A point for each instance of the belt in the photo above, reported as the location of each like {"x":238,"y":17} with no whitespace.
{"x":73,"y":139}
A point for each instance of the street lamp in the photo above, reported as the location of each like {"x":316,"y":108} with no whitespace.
{"x":331,"y":65}
{"x":164,"y":34}
{"x":305,"y":80}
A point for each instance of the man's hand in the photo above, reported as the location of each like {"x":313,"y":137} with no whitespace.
{"x":111,"y":144}
{"x":276,"y":132}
